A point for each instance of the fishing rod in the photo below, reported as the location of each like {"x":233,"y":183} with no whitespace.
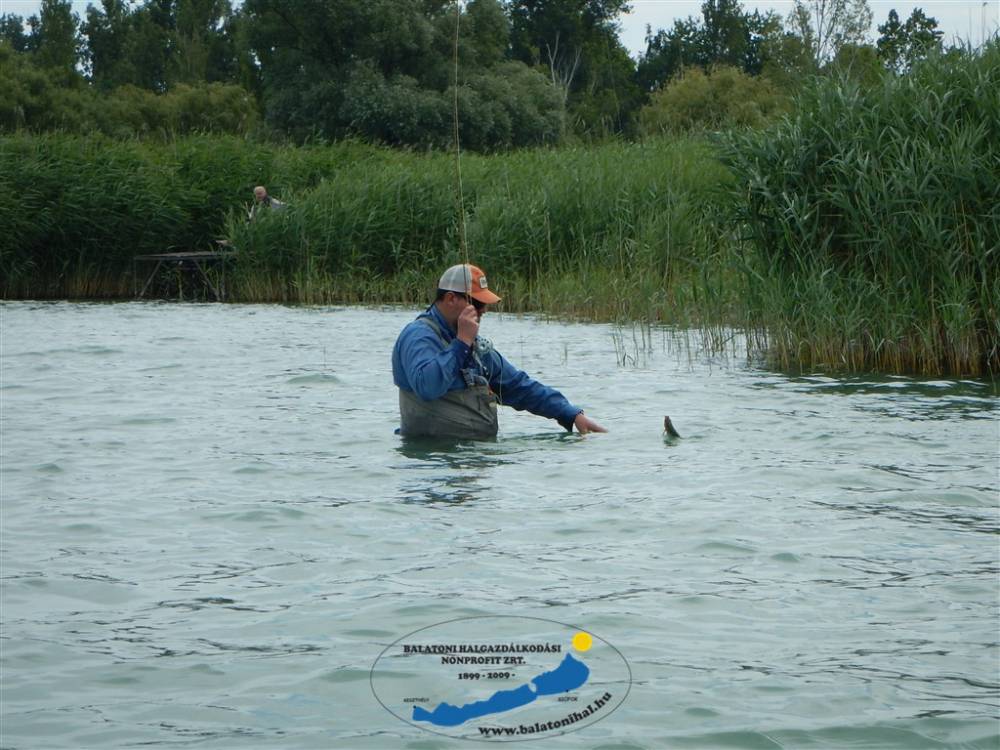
{"x":463,"y":246}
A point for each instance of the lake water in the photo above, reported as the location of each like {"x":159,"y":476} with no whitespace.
{"x":210,"y":533}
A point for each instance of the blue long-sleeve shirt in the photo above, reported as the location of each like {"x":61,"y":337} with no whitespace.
{"x":423,"y":364}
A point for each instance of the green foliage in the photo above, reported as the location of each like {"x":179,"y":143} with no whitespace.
{"x":559,"y":26}
{"x":609,"y":103}
{"x":88,"y":204}
{"x":384,"y":72}
{"x":827,"y":25}
{"x":79,"y":204}
{"x":576,"y":43}
{"x":202,"y":53}
{"x":726,"y":35}
{"x":160,"y":43}
{"x":57,"y":42}
{"x":857,"y":62}
{"x":398,"y":111}
{"x":668,"y":53}
{"x":874,"y":216}
{"x":41,"y":99}
{"x":331,"y":69}
{"x":207,"y":108}
{"x":489,"y":31}
{"x":902,"y":45}
{"x":12,"y":33}
{"x":520,"y":105}
{"x":637,"y":223}
{"x":146,"y":61}
{"x":787,"y":61}
{"x":722,"y":98}
{"x":634,"y":221}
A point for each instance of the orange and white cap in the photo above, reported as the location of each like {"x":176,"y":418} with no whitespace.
{"x":468,"y":279}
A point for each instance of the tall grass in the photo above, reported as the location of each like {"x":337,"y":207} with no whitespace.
{"x":77,"y":209}
{"x":616,"y":231}
{"x":620,"y":230}
{"x":874,"y":222}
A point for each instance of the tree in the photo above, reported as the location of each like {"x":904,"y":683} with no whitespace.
{"x":106,"y":30}
{"x":384,"y":70}
{"x":668,"y":53}
{"x":726,"y":35}
{"x":149,"y":45}
{"x":901,"y":45}
{"x":489,"y":31}
{"x":58,"y":41}
{"x":130,"y":46}
{"x":891,"y":43}
{"x":12,"y":32}
{"x":827,"y":25}
{"x":204,"y":51}
{"x":787,"y":59}
{"x":610,"y":100}
{"x":576,"y":42}
{"x":536,"y":24}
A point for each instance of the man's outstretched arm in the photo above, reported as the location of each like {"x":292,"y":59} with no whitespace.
{"x":515,"y":388}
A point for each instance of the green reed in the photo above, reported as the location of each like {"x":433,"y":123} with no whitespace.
{"x":859,"y":233}
{"x":873,"y":218}
{"x":616,"y":231}
{"x":81,"y":207}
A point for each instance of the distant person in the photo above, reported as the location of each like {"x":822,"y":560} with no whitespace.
{"x":450,"y":380}
{"x":263,"y":201}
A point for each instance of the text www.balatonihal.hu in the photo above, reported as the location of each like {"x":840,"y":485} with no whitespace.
{"x":547,"y":726}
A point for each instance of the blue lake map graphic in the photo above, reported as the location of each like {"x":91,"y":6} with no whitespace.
{"x":569,"y":675}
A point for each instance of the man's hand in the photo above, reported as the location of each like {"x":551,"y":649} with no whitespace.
{"x":585,"y":424}
{"x":468,"y":325}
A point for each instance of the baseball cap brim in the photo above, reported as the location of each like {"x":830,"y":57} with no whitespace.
{"x":485,"y":296}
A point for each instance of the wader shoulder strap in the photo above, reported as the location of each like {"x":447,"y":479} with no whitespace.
{"x":432,"y":324}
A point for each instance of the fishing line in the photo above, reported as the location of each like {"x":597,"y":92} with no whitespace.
{"x":480,"y":345}
{"x":459,"y":195}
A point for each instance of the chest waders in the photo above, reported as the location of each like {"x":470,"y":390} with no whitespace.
{"x":468,"y":413}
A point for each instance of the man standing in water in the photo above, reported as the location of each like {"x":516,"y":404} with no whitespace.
{"x":450,"y":380}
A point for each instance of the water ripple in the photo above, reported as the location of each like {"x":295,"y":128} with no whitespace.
{"x":206,"y":543}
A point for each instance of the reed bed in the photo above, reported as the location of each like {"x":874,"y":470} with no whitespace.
{"x":620,"y":231}
{"x":873,"y":221}
{"x":77,"y":209}
{"x":860,"y":233}
{"x":611,"y":232}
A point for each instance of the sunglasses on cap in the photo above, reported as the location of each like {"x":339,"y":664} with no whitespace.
{"x":480,"y":306}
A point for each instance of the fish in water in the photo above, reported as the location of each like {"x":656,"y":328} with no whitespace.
{"x":668,"y":428}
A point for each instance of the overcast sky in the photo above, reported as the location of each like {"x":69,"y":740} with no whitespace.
{"x":969,"y":20}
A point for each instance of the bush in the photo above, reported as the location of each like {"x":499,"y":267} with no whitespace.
{"x":34,"y":98}
{"x":40,"y":100}
{"x":724,"y":97}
